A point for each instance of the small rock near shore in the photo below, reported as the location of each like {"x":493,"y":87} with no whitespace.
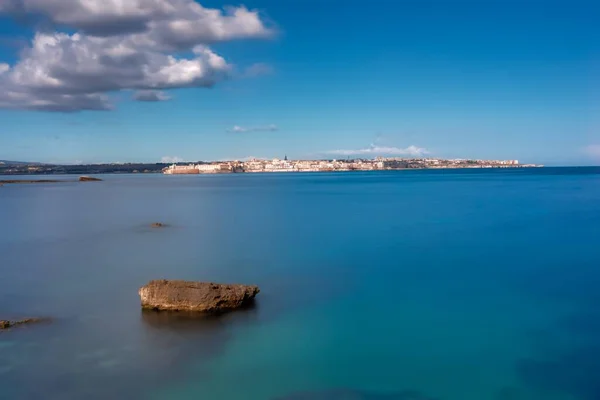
{"x":157,"y":225}
{"x":205,"y":297}
{"x":89,"y":179}
{"x":5,"y":324}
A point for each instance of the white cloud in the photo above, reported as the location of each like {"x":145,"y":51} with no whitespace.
{"x":176,"y":23}
{"x":241,"y":129}
{"x":120,"y":45}
{"x":60,"y":67}
{"x":592,"y":151}
{"x":237,"y":129}
{"x":258,"y":69}
{"x":171,"y":160}
{"x":375,"y":150}
{"x":151,"y":95}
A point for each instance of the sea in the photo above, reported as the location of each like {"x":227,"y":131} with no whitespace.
{"x":475,"y":284}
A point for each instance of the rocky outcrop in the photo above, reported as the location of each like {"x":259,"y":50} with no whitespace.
{"x":205,"y":297}
{"x":88,"y":179}
{"x":157,"y":225}
{"x":5,"y":324}
{"x":19,"y":181}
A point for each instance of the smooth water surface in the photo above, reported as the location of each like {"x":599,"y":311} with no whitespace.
{"x":406,"y":285}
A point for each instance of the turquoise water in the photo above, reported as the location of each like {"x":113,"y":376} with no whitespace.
{"x":407,"y":285}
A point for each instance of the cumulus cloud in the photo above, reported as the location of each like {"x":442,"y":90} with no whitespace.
{"x":174,"y":23}
{"x":241,"y":129}
{"x":151,"y":95}
{"x":171,"y":160}
{"x":60,"y":71}
{"x":258,"y":69}
{"x":592,"y":151}
{"x":375,"y":150}
{"x":78,"y":64}
{"x":119,"y":45}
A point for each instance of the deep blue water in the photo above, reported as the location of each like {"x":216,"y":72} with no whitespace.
{"x":407,"y":285}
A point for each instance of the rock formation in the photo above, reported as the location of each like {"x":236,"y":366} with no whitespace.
{"x":5,"y":324}
{"x":18,"y":181}
{"x":203,"y":297}
{"x":157,"y":225}
{"x":88,"y":179}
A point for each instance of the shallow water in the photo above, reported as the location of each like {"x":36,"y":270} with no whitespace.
{"x":407,"y":285}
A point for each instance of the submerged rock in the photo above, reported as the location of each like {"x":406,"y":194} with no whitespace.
{"x":88,"y":179}
{"x":5,"y":324}
{"x":206,"y":297}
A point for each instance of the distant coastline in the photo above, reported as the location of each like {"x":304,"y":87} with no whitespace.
{"x":255,"y":166}
{"x":23,"y":168}
{"x":377,"y":164}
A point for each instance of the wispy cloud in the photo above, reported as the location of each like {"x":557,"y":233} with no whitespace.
{"x":151,"y":95}
{"x":592,"y":151}
{"x":248,"y":158}
{"x":375,"y":150}
{"x":241,"y":129}
{"x":171,"y":159}
{"x":258,"y":69}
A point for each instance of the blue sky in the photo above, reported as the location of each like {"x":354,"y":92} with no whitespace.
{"x":310,"y":79}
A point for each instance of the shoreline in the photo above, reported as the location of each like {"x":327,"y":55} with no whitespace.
{"x":33,"y":181}
{"x":287,"y":171}
{"x":301,"y":171}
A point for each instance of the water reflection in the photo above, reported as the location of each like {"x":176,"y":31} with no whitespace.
{"x":353,"y":394}
{"x":574,"y":372}
{"x":571,"y":358}
{"x":103,"y":358}
{"x":184,"y":321}
{"x":193,"y":335}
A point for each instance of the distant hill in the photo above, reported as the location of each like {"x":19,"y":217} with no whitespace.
{"x":24,"y":168}
{"x":6,"y":162}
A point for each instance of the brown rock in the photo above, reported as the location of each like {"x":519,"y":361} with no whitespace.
{"x":88,"y":179}
{"x":5,"y":324}
{"x":157,"y":225}
{"x":31,"y":321}
{"x":18,"y":181}
{"x":203,"y":297}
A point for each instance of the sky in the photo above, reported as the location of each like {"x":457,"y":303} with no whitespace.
{"x":89,"y":81}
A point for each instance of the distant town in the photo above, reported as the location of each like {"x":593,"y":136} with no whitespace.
{"x":377,"y":164}
{"x":254,"y":165}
